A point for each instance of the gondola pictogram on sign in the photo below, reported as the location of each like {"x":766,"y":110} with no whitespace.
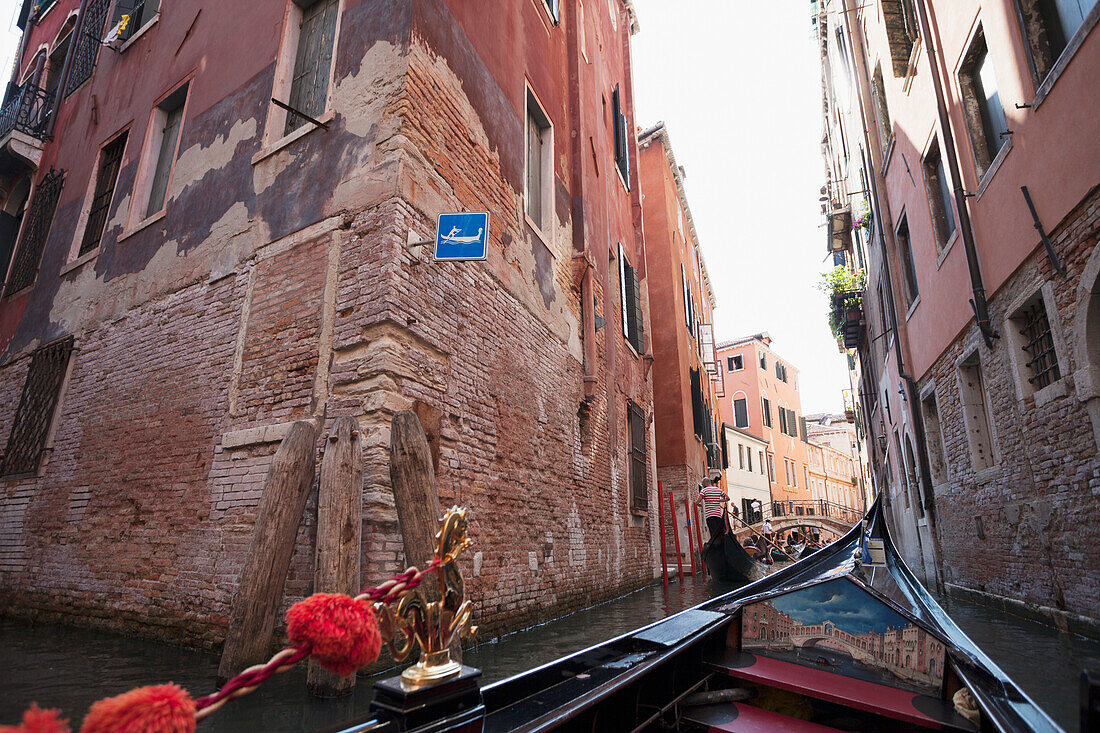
{"x":462,"y":236}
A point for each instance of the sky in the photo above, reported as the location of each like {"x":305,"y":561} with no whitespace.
{"x":738,"y":86}
{"x":9,"y":38}
{"x":839,"y":601}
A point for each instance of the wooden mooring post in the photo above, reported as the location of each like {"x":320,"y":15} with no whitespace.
{"x":252,"y":616}
{"x":416,"y":498}
{"x":339,"y":535}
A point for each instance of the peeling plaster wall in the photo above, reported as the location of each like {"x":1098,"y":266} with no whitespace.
{"x":278,"y":286}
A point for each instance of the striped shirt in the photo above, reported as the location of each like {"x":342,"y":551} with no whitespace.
{"x":714,"y":499}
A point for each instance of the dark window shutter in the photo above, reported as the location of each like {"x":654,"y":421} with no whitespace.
{"x":726,"y":452}
{"x":639,"y":483}
{"x":698,"y":419}
{"x":39,"y":217}
{"x":741,"y":413}
{"x":37,"y":404}
{"x":636,"y":311}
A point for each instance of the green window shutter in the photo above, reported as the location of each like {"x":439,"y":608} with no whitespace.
{"x":636,"y":311}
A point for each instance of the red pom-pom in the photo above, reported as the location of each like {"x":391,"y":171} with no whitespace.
{"x":341,"y":632}
{"x":37,"y":720}
{"x":161,"y":709}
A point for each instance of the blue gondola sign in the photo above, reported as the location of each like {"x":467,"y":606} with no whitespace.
{"x":462,"y":236}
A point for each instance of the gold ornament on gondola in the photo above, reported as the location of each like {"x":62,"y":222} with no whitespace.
{"x":432,"y":625}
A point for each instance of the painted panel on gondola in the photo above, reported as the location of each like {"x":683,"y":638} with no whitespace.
{"x":837,"y":627}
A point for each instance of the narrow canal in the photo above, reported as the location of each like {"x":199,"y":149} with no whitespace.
{"x":70,"y":669}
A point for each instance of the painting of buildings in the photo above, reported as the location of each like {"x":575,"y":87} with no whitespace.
{"x":837,"y":627}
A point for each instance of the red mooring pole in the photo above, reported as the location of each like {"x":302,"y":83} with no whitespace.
{"x":691,"y":540}
{"x":676,"y":536}
{"x":699,"y":539}
{"x":664,"y":540}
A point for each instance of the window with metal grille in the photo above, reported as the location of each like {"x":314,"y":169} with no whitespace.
{"x":34,"y":416}
{"x":110,"y":160}
{"x":35,"y":230}
{"x":631,"y":297}
{"x":639,"y":481}
{"x":87,"y":45}
{"x":1038,"y":344}
{"x":312,"y":62}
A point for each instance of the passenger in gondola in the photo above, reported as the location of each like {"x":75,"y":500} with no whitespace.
{"x":713,"y":501}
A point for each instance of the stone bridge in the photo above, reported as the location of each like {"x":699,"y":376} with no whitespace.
{"x":781,"y":524}
{"x":827,"y":636}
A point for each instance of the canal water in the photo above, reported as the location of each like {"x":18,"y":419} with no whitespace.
{"x":70,"y":669}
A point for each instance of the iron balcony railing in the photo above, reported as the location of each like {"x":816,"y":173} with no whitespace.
{"x":28,"y":111}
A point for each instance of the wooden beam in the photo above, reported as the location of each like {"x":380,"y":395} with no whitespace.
{"x":416,"y":498}
{"x":252,"y":617}
{"x":339,"y":535}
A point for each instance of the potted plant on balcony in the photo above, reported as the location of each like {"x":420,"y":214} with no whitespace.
{"x":844,"y":286}
{"x":861,"y":218}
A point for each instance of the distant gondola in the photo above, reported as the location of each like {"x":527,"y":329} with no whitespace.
{"x":845,"y":638}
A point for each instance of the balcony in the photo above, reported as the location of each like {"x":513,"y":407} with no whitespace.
{"x":848,"y":317}
{"x":23,"y":123}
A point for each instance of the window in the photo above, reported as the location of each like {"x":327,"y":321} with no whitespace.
{"x":631,"y":298}
{"x":138,"y":14}
{"x":905,"y":254}
{"x":763,"y":361}
{"x":741,"y":413}
{"x":781,"y":371}
{"x":110,"y":160}
{"x":34,"y":416}
{"x":689,"y":302}
{"x":700,"y":418}
{"x":878,"y":91}
{"x":748,"y":459}
{"x":639,"y":485}
{"x":554,"y":10}
{"x":938,"y":190}
{"x":976,"y":412}
{"x":783,"y":420}
{"x":985,"y":117}
{"x":87,"y":48}
{"x":1049,"y":25}
{"x":735,"y":363}
{"x":1032,"y":340}
{"x":900,"y":20}
{"x":36,"y":228}
{"x":761,"y":462}
{"x":802,"y":428}
{"x":805,"y":477}
{"x":312,"y":62}
{"x":771,"y":468}
{"x":741,"y":456}
{"x":161,"y":142}
{"x":934,"y":438}
{"x":539,"y":181}
{"x":622,"y":150}
{"x":767,"y":411}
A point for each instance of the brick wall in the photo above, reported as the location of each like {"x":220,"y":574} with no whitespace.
{"x":1037,"y":505}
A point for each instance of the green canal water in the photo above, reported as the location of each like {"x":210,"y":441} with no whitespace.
{"x":70,"y":669}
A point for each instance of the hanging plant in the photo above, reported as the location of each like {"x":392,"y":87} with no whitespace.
{"x":844,"y":286}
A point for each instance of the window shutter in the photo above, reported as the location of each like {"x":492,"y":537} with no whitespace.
{"x":636,"y":310}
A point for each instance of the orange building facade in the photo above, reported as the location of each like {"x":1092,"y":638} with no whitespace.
{"x":760,"y":395}
{"x":685,"y":408}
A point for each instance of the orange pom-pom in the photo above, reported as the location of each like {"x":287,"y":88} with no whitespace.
{"x":37,"y":720}
{"x":341,"y":632}
{"x":160,"y":709}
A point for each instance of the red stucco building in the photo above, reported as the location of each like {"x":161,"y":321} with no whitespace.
{"x":190,"y":268}
{"x":685,"y":405}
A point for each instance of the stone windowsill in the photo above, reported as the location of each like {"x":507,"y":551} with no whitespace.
{"x":141,"y":32}
{"x":986,"y":475}
{"x":256,"y":436}
{"x":146,"y":222}
{"x":1068,"y":53}
{"x":286,"y":140}
{"x":912,"y":308}
{"x":993,"y":168}
{"x":947,"y":247}
{"x":1050,"y":392}
{"x":86,"y":257}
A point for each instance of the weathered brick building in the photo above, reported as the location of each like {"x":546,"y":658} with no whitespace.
{"x":195,"y":268}
{"x":981,"y":318}
{"x":685,"y":403}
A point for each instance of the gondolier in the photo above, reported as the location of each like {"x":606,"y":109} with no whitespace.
{"x":713,"y":500}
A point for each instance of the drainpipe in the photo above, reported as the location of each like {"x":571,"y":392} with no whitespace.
{"x":978,"y":302}
{"x":74,"y":42}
